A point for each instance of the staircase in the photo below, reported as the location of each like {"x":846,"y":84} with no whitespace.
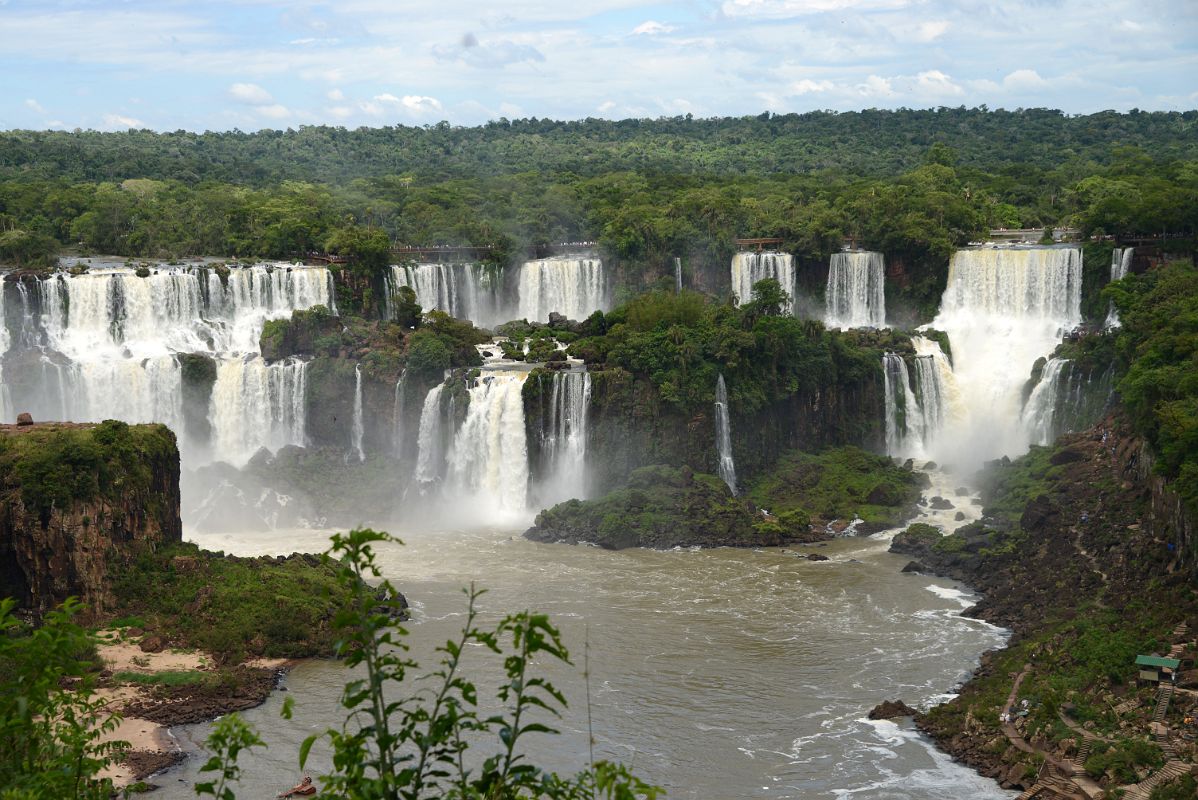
{"x":1143,"y":789}
{"x":1163,"y":695}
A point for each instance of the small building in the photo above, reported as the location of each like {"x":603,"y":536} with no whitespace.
{"x":1155,"y":669}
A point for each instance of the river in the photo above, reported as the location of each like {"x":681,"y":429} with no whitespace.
{"x":715,"y":673}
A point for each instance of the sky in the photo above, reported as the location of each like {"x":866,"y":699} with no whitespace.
{"x":253,"y":64}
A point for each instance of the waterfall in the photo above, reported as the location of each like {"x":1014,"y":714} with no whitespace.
{"x":723,"y":435}
{"x":749,"y":268}
{"x":569,"y":285}
{"x":7,"y":414}
{"x":357,"y":428}
{"x":1066,"y":398}
{"x":465,"y":291}
{"x":677,"y":275}
{"x":1002,"y":309}
{"x":256,"y":405}
{"x":1120,"y":265}
{"x":430,"y":443}
{"x":904,"y":417}
{"x":856,"y":295}
{"x":488,"y":462}
{"x":103,"y":345}
{"x":564,"y":438}
{"x":397,"y":409}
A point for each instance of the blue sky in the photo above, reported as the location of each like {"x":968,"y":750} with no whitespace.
{"x":251,"y":64}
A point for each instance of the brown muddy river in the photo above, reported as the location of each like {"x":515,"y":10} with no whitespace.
{"x":715,"y":673}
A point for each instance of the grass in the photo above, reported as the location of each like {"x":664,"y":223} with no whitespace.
{"x":167,"y":678}
{"x":232,"y":607}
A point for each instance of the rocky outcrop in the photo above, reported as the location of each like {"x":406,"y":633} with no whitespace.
{"x":75,"y":497}
{"x":892,"y":709}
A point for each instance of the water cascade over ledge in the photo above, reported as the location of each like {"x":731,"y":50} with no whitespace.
{"x":572,"y":286}
{"x":749,"y":268}
{"x":564,"y":438}
{"x":1002,"y":309}
{"x":357,"y":426}
{"x":723,"y":435}
{"x":856,"y":295}
{"x":1121,"y":259}
{"x":112,"y":344}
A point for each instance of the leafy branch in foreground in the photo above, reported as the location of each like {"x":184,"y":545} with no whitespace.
{"x":52,"y":727}
{"x":411,"y":743}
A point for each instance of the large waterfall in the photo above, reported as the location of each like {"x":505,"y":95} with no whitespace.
{"x":488,"y":461}
{"x":575,"y":287}
{"x":1120,"y":265}
{"x":107,"y":344}
{"x":564,"y":438}
{"x":1003,"y":309}
{"x":748,"y":268}
{"x":856,"y":295}
{"x":723,"y":436}
{"x":904,"y":422}
{"x":465,"y":291}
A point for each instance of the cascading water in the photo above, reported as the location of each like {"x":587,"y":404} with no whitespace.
{"x":572,"y":286}
{"x":723,"y":436}
{"x":904,"y":417}
{"x":936,"y":390}
{"x":397,"y":409}
{"x":564,"y":440}
{"x":430,"y":443}
{"x":107,"y":343}
{"x":1066,"y":398}
{"x":749,"y":268}
{"x":856,"y":294}
{"x":255,"y":405}
{"x":1121,"y":259}
{"x":1002,"y":309}
{"x":465,"y":291}
{"x":357,"y":427}
{"x":488,"y":461}
{"x":6,"y":409}
{"x":677,"y":275}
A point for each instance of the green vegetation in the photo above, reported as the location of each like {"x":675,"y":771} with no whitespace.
{"x":1183,"y":788}
{"x":166,"y":678}
{"x":1008,"y":486}
{"x":392,"y":748}
{"x":842,"y":483}
{"x":50,"y":721}
{"x":1158,"y":351}
{"x":660,"y":507}
{"x":1121,"y":759}
{"x":56,"y":466}
{"x":232,"y":607}
{"x":914,"y":184}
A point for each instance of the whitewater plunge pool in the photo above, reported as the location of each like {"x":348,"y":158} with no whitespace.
{"x":716,"y":674}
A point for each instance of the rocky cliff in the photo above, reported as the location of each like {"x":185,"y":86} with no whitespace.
{"x":73,"y":497}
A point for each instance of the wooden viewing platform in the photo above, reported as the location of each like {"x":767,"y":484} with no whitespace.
{"x":760,"y":243}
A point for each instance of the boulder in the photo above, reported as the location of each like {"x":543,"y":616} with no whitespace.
{"x":941,"y":504}
{"x":892,"y":709}
{"x":816,"y":557}
{"x":152,"y":644}
{"x":24,"y":418}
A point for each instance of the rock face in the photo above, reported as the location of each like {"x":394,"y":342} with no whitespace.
{"x":892,"y":709}
{"x":75,"y":497}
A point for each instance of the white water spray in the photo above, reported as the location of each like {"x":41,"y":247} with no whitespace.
{"x":488,"y":462}
{"x":572,"y":286}
{"x":1121,"y":259}
{"x":565,"y":438}
{"x":856,"y":294}
{"x":358,"y":427}
{"x":1002,"y":309}
{"x":723,"y":436}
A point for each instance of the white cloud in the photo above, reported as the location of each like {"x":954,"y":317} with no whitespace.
{"x":652,"y":28}
{"x":808,"y":86}
{"x":387,"y":98}
{"x":119,"y":121}
{"x":274,"y":111}
{"x":511,"y":110}
{"x":340,"y":112}
{"x":1023,"y":80}
{"x":250,"y":94}
{"x":336,"y":95}
{"x":35,"y":106}
{"x":776,"y":9}
{"x":605,"y":106}
{"x":421,"y":104}
{"x":373,"y":109}
{"x":934,"y":83}
{"x":931,"y":30}
{"x":875,"y":86}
